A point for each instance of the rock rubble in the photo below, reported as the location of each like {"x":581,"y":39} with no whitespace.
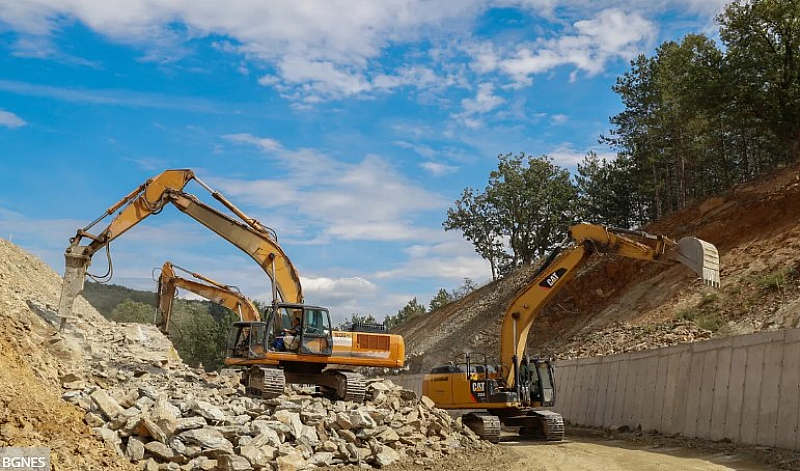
{"x":164,"y":415}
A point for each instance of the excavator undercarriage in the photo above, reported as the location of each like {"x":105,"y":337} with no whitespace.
{"x":269,"y":382}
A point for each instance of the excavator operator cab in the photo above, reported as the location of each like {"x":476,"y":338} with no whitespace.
{"x":299,"y":328}
{"x":536,"y":382}
{"x":247,"y":340}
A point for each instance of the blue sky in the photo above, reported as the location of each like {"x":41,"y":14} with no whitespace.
{"x":347,"y":126}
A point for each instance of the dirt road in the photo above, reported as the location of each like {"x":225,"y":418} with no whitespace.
{"x":587,"y":454}
{"x":590,"y":453}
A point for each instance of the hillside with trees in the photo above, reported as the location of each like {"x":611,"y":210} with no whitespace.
{"x":698,"y":118}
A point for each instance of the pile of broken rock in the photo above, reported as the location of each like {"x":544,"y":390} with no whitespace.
{"x":189,"y":420}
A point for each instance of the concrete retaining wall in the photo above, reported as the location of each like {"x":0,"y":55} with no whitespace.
{"x":744,"y":388}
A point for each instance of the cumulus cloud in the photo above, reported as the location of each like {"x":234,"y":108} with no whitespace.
{"x":612,"y":34}
{"x":367,"y":200}
{"x":567,"y":155}
{"x":484,"y":101}
{"x":436,"y":169}
{"x":10,"y":120}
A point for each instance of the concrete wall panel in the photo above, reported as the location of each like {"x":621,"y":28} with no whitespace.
{"x":611,"y":396}
{"x":735,"y":401}
{"x":752,"y":393}
{"x":706,"y":394}
{"x":622,"y":388}
{"x":670,"y":393}
{"x":789,"y":400}
{"x":602,"y":393}
{"x":660,"y":389}
{"x":648,"y":401}
{"x":720,"y":394}
{"x":693,"y":394}
{"x":770,"y":393}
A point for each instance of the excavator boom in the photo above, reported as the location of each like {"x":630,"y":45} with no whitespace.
{"x":247,"y":234}
{"x":588,"y":239}
{"x":216,"y":292}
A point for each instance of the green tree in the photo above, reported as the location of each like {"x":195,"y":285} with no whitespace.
{"x":479,"y":222}
{"x":409,"y":311}
{"x":534,"y":199}
{"x":464,"y":289}
{"x":528,"y":202}
{"x":357,"y":319}
{"x":133,"y":311}
{"x":761,"y":40}
{"x":441,"y":298}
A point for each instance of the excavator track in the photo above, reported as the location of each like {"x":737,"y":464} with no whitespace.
{"x":350,"y":386}
{"x":266,"y":383}
{"x":485,"y":425}
{"x":543,"y":424}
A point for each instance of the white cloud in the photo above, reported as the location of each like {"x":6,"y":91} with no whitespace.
{"x":265,"y":143}
{"x":10,"y":120}
{"x":112,"y":97}
{"x":485,"y":101}
{"x":612,"y":34}
{"x":567,"y":155}
{"x":452,"y":259}
{"x":320,"y":48}
{"x":367,"y":200}
{"x":436,"y":169}
{"x":559,"y":118}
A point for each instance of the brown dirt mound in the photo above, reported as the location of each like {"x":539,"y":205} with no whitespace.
{"x":33,"y":358}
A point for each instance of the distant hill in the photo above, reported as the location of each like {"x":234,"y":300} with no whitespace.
{"x":105,"y":297}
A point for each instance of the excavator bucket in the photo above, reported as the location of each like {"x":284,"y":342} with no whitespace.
{"x":699,"y":255}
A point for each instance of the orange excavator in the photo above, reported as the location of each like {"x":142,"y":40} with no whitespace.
{"x":516,"y":392}
{"x":261,"y":347}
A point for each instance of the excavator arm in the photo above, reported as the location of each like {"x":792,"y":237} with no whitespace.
{"x":563,"y":264}
{"x":246,"y":233}
{"x":214,"y":291}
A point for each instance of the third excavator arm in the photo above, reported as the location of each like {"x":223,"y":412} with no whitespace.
{"x":222,"y":294}
{"x":514,"y":392}
{"x":249,"y":235}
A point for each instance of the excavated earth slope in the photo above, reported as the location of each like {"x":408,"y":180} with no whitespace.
{"x":622,"y":305}
{"x":103,"y":395}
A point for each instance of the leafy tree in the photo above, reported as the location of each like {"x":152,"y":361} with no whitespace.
{"x":761,"y":40}
{"x":133,"y":311}
{"x":441,"y":298}
{"x":409,"y":311}
{"x":479,"y":221}
{"x":528,"y":203}
{"x":357,"y":319}
{"x":464,"y":289}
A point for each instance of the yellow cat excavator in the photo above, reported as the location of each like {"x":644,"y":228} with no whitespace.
{"x":254,"y":344}
{"x":515,"y":392}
